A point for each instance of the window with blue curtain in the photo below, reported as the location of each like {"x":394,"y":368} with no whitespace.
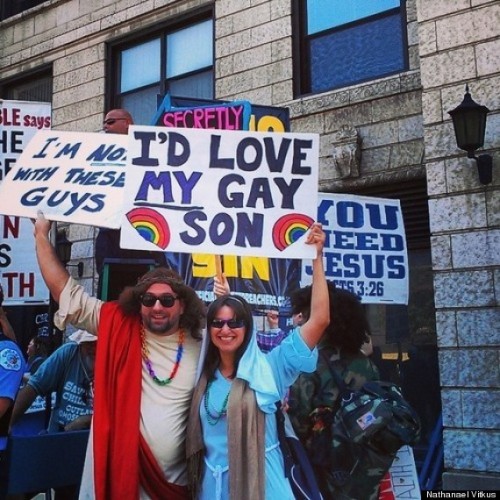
{"x":178,"y":59}
{"x":344,"y":42}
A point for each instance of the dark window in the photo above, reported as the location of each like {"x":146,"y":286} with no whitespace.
{"x":9,"y":8}
{"x":178,"y":58}
{"x":415,"y":208}
{"x":32,"y":87}
{"x":347,"y":42}
{"x":404,"y":336}
{"x":119,"y":273}
{"x":419,"y":313}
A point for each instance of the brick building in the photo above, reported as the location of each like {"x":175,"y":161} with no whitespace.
{"x":379,"y":79}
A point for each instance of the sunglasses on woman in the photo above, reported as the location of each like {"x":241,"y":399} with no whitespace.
{"x":231,"y":323}
{"x":166,"y":299}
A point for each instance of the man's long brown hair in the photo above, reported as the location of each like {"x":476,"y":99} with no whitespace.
{"x":193,"y":318}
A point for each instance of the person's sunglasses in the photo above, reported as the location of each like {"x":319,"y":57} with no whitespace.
{"x":110,"y":121}
{"x":231,"y":323}
{"x":166,"y":299}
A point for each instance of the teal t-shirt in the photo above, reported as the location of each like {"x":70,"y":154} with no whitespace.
{"x":62,"y":372}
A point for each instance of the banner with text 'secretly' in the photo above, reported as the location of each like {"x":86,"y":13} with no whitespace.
{"x":266,"y":283}
{"x":19,"y":273}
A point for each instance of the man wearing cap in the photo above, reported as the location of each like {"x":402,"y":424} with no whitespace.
{"x":148,"y":351}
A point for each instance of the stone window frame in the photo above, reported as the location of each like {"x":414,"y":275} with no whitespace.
{"x":301,"y":46}
{"x":35,"y":85}
{"x":117,"y":99}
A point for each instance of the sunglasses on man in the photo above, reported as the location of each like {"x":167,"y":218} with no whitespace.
{"x":110,"y":121}
{"x":150,"y":299}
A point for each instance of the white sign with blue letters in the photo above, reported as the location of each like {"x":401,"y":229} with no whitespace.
{"x":365,"y":250}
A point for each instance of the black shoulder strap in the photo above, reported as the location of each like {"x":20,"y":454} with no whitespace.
{"x":285,"y":449}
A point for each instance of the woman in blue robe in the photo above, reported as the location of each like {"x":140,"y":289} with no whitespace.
{"x":232,"y":441}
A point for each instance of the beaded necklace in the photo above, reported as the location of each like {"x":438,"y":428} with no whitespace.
{"x":213,"y":418}
{"x":149,"y":366}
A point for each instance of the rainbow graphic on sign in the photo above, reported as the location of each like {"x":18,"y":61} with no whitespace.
{"x":289,"y":228}
{"x":150,"y":225}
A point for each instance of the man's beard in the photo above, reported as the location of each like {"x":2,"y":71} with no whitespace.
{"x":161,"y":329}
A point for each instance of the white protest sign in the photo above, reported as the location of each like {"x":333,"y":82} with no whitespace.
{"x":19,"y":272}
{"x":220,"y":192}
{"x":19,"y":121}
{"x":71,"y":176}
{"x":401,"y":482}
{"x":365,"y":250}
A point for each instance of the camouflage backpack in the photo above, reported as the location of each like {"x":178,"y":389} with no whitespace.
{"x":369,"y":426}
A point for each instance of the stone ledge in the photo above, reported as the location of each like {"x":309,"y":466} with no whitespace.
{"x":392,"y":177}
{"x":470,"y":481}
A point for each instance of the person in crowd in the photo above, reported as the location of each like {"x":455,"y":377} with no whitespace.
{"x":312,"y":397}
{"x":107,"y":244}
{"x":117,"y":121}
{"x":267,"y":339}
{"x":38,"y":350}
{"x":232,"y":442}
{"x":37,"y":417}
{"x":273,"y":335}
{"x":69,"y":372}
{"x":12,"y":367}
{"x":148,"y":348}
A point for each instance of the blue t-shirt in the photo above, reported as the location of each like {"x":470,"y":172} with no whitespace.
{"x":63,"y":373}
{"x":12,"y":368}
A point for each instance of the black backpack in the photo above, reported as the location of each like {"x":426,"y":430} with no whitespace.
{"x":368,"y":427}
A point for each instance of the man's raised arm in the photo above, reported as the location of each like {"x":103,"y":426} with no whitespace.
{"x":54,"y":273}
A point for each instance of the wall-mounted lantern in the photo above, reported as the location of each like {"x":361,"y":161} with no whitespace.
{"x":469,"y":122}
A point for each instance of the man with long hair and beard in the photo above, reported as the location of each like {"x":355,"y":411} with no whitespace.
{"x":148,"y":348}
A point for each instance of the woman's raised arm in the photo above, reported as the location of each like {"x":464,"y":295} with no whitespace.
{"x":319,"y":318}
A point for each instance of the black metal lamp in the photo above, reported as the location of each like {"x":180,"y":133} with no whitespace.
{"x":63,"y":250}
{"x":469,"y":122}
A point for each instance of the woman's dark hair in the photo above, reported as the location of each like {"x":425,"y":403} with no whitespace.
{"x":349,"y":328}
{"x":192,"y":319}
{"x":43,"y":348}
{"x":242,"y":311}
